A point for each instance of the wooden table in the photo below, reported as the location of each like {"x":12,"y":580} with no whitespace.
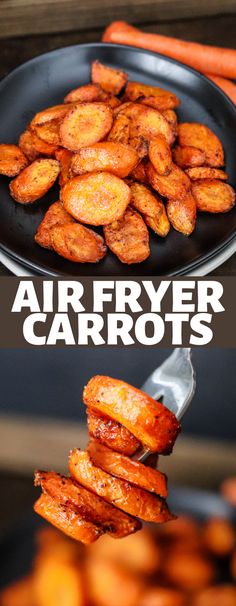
{"x":212,"y":29}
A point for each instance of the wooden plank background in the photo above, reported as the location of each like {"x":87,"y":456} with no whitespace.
{"x":31,"y":443}
{"x":25,"y":17}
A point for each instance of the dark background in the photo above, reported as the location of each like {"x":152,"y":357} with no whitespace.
{"x":50,"y":382}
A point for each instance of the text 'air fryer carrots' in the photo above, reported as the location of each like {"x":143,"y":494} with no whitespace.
{"x":107,"y":491}
{"x":117,"y":150}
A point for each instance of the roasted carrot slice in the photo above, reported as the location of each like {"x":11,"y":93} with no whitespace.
{"x":145,"y":201}
{"x":35,"y":180}
{"x":140,"y":144}
{"x":151,"y":422}
{"x":160,"y":225}
{"x":171,"y":117}
{"x":113,"y":157}
{"x":111,"y":434}
{"x":128,"y":238}
{"x":160,"y":155}
{"x":55,"y":215}
{"x":67,"y":520}
{"x":190,"y":571}
{"x":56,"y":112}
{"x":151,"y":95}
{"x":12,"y":160}
{"x":77,"y":243}
{"x":174,"y":185}
{"x":64,"y":156}
{"x":33,"y":147}
{"x":127,"y":469}
{"x":139,"y":172}
{"x":84,"y":94}
{"x":120,"y":130}
{"x":188,"y":156}
{"x":151,"y":207}
{"x":182,"y":214}
{"x":88,"y":505}
{"x":146,"y":122}
{"x":132,"y":500}
{"x":48,"y":132}
{"x":96,"y":198}
{"x":206,"y":172}
{"x":111,"y":80}
{"x":85,"y":124}
{"x":202,"y":137}
{"x":219,"y":537}
{"x":213,"y":196}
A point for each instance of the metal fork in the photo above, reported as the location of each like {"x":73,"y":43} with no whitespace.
{"x":173,"y":383}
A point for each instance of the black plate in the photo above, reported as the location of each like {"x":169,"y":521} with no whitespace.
{"x":17,"y":548}
{"x":44,"y":81}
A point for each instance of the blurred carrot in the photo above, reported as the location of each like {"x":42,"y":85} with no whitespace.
{"x":227,"y":86}
{"x":217,"y":61}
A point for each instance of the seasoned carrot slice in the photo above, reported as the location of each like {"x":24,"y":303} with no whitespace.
{"x":127,"y":469}
{"x":131,"y":499}
{"x":174,"y":185}
{"x":120,"y":130}
{"x":128,"y":238}
{"x":160,"y":155}
{"x":33,"y":147}
{"x":48,"y":132}
{"x":96,"y":198}
{"x":56,"y":112}
{"x":188,"y":156}
{"x":111,"y":434}
{"x":34,"y":181}
{"x":151,"y":422}
{"x":146,"y":122}
{"x":140,"y":144}
{"x":151,"y":207}
{"x":55,"y":215}
{"x":85,"y":124}
{"x":182,"y":214}
{"x":151,"y":95}
{"x":64,"y":156}
{"x":113,"y":157}
{"x":18,"y":593}
{"x":145,"y":201}
{"x":171,"y":117}
{"x":139,"y":172}
{"x":12,"y":160}
{"x":160,"y":225}
{"x":84,"y":94}
{"x":205,"y":172}
{"x":88,"y":505}
{"x":202,"y":137}
{"x":67,"y":520}
{"x":213,"y":196}
{"x":77,"y":243}
{"x":111,"y":80}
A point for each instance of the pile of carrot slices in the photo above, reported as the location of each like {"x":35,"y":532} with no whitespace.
{"x":108,"y":491}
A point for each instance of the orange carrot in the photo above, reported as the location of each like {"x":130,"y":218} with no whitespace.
{"x":213,"y":59}
{"x":227,"y":86}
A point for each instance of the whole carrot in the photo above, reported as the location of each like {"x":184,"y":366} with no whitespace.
{"x":212,"y":59}
{"x":227,"y":86}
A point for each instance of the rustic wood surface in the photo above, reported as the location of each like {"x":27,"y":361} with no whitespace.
{"x":21,"y":17}
{"x":27,"y":444}
{"x":217,"y":30}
